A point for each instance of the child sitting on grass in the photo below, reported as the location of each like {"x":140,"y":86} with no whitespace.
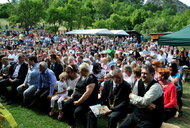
{"x":60,"y":95}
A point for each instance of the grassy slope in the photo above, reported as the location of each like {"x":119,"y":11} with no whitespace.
{"x":3,"y":22}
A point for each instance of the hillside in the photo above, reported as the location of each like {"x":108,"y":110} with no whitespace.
{"x":181,"y":7}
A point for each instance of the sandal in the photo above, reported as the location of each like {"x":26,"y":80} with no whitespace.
{"x":51,"y":113}
{"x":60,"y":115}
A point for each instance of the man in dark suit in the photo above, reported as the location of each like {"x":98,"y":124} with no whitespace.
{"x":16,"y":77}
{"x":115,"y":95}
{"x":55,"y":66}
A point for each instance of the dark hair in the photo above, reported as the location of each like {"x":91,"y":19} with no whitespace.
{"x":72,"y":68}
{"x":140,"y":59}
{"x":53,"y":56}
{"x":174,"y":69}
{"x":20,"y":56}
{"x":96,"y":66}
{"x":81,"y":57}
{"x":33,"y":58}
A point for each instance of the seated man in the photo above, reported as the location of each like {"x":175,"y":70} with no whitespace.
{"x":46,"y":85}
{"x":115,"y":95}
{"x":31,"y":82}
{"x":55,"y":66}
{"x":147,"y":96}
{"x":17,"y":74}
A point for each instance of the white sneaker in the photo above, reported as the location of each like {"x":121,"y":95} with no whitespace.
{"x":176,"y":114}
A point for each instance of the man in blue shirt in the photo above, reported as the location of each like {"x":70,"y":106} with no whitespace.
{"x":46,"y":85}
{"x":31,"y":82}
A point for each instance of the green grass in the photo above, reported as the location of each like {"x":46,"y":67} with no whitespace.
{"x":27,"y":118}
{"x":3,"y":22}
{"x":184,"y":121}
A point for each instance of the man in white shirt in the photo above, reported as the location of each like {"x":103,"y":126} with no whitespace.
{"x":17,"y":76}
{"x":147,"y":96}
{"x":11,"y":57}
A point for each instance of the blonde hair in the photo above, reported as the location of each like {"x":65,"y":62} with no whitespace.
{"x":71,"y":59}
{"x":104,"y":60}
{"x":84,"y":67}
{"x":5,"y":60}
{"x":63,"y":75}
{"x":133,"y":65}
{"x":108,"y":76}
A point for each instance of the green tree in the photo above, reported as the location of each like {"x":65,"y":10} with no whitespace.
{"x":180,"y":20}
{"x":103,"y":9}
{"x":154,"y":25}
{"x":139,"y":16}
{"x":46,"y":3}
{"x":4,"y":13}
{"x":118,"y":22}
{"x":171,"y":8}
{"x":59,"y":3}
{"x":70,"y":13}
{"x":85,"y":17}
{"x":152,"y":7}
{"x":27,"y":13}
{"x":100,"y":24}
{"x":54,"y":15}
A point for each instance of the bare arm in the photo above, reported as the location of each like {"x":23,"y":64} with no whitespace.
{"x":64,"y":90}
{"x":174,"y":80}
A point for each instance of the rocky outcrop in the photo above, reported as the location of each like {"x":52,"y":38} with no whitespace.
{"x":181,"y":7}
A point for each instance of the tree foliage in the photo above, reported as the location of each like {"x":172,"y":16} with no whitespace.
{"x":27,"y":13}
{"x":4,"y":13}
{"x":111,"y":14}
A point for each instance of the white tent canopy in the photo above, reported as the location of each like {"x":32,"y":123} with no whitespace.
{"x":119,"y":32}
{"x":97,"y":32}
{"x":73,"y":32}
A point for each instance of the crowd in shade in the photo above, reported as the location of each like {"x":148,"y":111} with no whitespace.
{"x":141,"y":83}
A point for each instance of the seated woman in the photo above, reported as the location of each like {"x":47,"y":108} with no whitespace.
{"x":71,"y":82}
{"x":85,"y":94}
{"x":156,"y":64}
{"x":4,"y":72}
{"x":170,"y":95}
{"x":128,"y":74}
{"x":99,"y":72}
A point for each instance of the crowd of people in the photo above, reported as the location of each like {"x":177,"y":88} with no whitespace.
{"x":139,"y":82}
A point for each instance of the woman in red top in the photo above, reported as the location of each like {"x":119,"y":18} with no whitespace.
{"x":170,"y":97}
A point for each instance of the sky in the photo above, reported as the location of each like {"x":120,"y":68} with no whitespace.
{"x":184,"y":1}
